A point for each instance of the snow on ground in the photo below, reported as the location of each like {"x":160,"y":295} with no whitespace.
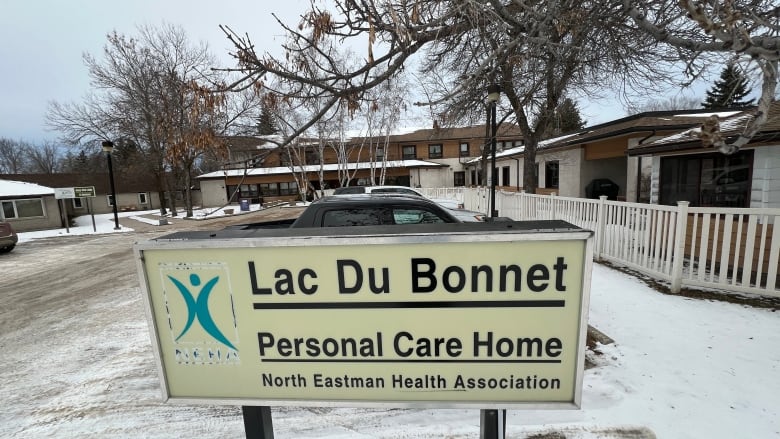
{"x":680,"y":367}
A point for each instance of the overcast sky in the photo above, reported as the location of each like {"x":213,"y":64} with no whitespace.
{"x":42,"y":42}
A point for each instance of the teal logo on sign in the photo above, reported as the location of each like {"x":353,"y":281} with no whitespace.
{"x":198,"y":308}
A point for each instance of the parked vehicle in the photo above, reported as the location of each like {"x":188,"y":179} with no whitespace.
{"x":363,"y":210}
{"x":352,"y":190}
{"x":8,"y":238}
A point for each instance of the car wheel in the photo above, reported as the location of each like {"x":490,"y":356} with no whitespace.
{"x":7,"y":249}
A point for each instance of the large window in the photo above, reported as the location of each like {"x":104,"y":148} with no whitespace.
{"x":26,"y":208}
{"x":551,"y":174}
{"x":434,"y":151}
{"x":409,"y":152}
{"x":707,"y":180}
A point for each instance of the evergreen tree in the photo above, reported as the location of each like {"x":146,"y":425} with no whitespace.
{"x":729,"y":90}
{"x":265,"y":123}
{"x":567,"y":118}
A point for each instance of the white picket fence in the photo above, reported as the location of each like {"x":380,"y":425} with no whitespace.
{"x":720,"y":248}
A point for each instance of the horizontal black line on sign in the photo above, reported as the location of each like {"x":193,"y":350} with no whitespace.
{"x":416,"y":304}
{"x":395,"y":360}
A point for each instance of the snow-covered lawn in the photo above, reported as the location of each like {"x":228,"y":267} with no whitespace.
{"x":680,"y":367}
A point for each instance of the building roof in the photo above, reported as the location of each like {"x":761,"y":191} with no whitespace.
{"x":638,"y":123}
{"x":11,"y":188}
{"x":314,"y":168}
{"x":100,"y":181}
{"x":472,"y":132}
{"x":730,"y":127}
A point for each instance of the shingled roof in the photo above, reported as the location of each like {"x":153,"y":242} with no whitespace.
{"x":99,"y":181}
{"x":647,"y":122}
{"x":730,"y":127}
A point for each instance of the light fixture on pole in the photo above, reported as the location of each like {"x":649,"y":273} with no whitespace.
{"x":494,"y":93}
{"x":108,"y":146}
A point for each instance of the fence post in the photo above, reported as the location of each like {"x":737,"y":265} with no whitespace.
{"x":601,"y":216}
{"x":554,"y":209}
{"x":679,"y":245}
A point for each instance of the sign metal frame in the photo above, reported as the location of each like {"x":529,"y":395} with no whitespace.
{"x":367,"y":242}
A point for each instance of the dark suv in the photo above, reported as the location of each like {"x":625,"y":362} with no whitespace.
{"x":373,"y":209}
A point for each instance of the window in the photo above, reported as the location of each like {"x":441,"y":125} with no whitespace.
{"x":707,"y":180}
{"x":551,"y":174}
{"x":434,"y":151}
{"x":464,"y":149}
{"x":505,"y":176}
{"x":26,"y":208}
{"x":415,"y":216}
{"x":380,"y":153}
{"x":288,"y":188}
{"x":312,"y":157}
{"x":459,"y":179}
{"x":269,"y":189}
{"x":143,"y":198}
{"x":409,"y":152}
{"x":78,"y":203}
{"x":285,"y":159}
{"x":352,"y":217}
{"x":110,"y":200}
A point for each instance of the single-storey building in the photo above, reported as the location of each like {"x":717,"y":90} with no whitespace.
{"x":684,"y":167}
{"x":573,"y":164}
{"x":131,"y":193}
{"x":28,"y":206}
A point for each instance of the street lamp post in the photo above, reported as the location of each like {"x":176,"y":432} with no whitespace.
{"x":494,"y":93}
{"x":108,"y":146}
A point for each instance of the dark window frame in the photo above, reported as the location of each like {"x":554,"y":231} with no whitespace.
{"x":406,"y":155}
{"x":431,"y":150}
{"x":552,"y":174}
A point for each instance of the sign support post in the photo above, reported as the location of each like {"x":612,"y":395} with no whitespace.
{"x":492,"y":424}
{"x":257,"y":422}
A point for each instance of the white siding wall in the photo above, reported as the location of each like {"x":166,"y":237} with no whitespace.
{"x":213,"y":192}
{"x":765,"y":190}
{"x":569,"y":162}
{"x":433,"y":177}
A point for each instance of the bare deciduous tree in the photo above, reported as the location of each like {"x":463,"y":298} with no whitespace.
{"x":148,"y":95}
{"x":704,"y":33}
{"x":13,"y":157}
{"x":535,"y":50}
{"x":45,"y":158}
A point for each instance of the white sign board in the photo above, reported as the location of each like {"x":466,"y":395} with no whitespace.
{"x":64,"y":193}
{"x":448,"y":319}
